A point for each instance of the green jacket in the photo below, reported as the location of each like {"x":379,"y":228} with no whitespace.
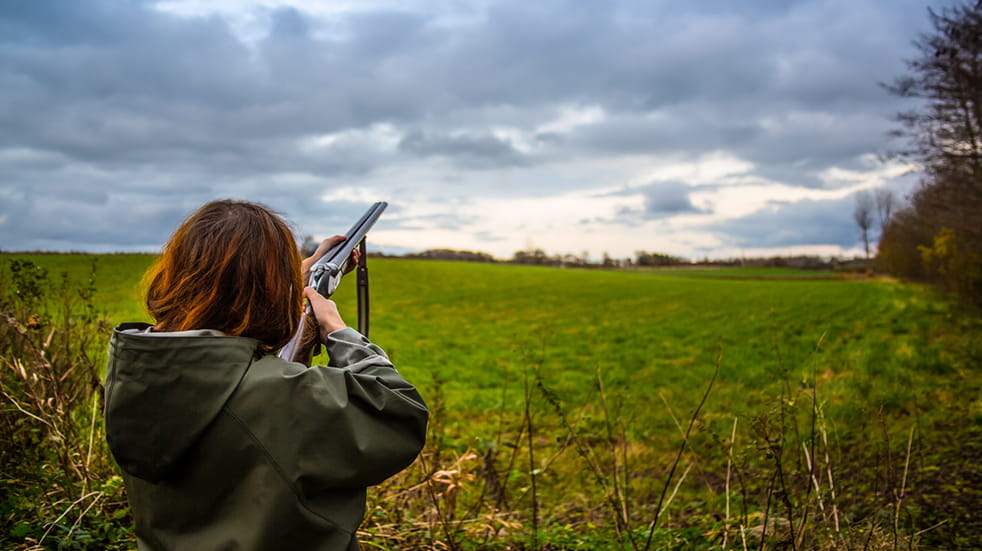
{"x":221,"y":450}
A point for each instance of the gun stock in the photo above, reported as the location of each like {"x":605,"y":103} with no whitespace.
{"x":325,"y":276}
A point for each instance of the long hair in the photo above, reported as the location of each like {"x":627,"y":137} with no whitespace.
{"x":231,"y":266}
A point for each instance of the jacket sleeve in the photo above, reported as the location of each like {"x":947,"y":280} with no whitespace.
{"x":350,"y":424}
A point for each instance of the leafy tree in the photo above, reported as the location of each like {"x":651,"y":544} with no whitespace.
{"x":536,"y":257}
{"x":658,"y":259}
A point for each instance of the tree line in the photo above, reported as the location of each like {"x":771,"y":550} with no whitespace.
{"x":640,"y":258}
{"x":937,"y":235}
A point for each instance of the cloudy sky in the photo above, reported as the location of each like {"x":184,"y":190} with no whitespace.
{"x":701,"y":129}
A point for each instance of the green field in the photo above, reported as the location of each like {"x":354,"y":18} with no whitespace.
{"x":881,"y":377}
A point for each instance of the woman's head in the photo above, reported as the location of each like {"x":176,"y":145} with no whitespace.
{"x":231,"y":266}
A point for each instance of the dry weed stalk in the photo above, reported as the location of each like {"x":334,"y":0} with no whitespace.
{"x":902,"y":492}
{"x":613,"y":493}
{"x":443,"y":488}
{"x":678,"y":457}
{"x":729,"y":472}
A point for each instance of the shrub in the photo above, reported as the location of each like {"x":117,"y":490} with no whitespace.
{"x":59,"y":488}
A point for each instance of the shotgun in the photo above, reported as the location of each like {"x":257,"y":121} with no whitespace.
{"x":325,"y":276}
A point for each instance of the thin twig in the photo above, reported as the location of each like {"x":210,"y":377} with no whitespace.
{"x":25,"y":412}
{"x":678,"y":484}
{"x":618,"y":497}
{"x":439,"y":511}
{"x":818,"y":489}
{"x":88,"y":453}
{"x":85,"y":512}
{"x":671,"y":413}
{"x":531,"y":457}
{"x":586,"y":453}
{"x":928,"y":529}
{"x":678,"y":456}
{"x":54,"y":523}
{"x":903,"y":492}
{"x":828,"y":471}
{"x":729,"y":471}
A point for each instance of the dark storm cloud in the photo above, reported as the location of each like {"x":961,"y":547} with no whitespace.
{"x":789,"y":224}
{"x":659,"y":200}
{"x":387,"y":66}
{"x":668,"y":199}
{"x":114,"y":225}
{"x":110,"y":108}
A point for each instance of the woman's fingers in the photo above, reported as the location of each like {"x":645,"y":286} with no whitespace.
{"x":326,"y":312}
{"x":326,"y":245}
{"x":353,"y":260}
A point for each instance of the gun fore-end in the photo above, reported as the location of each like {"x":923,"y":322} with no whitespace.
{"x":309,"y":340}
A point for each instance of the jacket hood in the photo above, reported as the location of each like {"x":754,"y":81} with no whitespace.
{"x":164,"y":389}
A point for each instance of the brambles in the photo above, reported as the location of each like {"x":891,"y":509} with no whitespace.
{"x":59,"y":487}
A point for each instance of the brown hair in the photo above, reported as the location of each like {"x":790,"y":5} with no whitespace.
{"x":231,"y":266}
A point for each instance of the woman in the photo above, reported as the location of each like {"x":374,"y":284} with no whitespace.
{"x":222,"y":444}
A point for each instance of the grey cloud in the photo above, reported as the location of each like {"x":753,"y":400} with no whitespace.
{"x":806,"y":222}
{"x":57,"y":224}
{"x":391,"y":36}
{"x":690,"y":129}
{"x":668,"y":199}
{"x":313,"y":217}
{"x":659,"y":200}
{"x":793,"y":150}
{"x":472,"y":149}
{"x":288,"y":23}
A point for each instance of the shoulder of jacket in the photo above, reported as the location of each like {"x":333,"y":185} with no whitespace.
{"x":271,"y":365}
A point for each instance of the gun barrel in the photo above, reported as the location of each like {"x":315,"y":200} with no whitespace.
{"x":326,"y":272}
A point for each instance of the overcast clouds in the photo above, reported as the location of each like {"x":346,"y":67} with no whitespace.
{"x":697,"y":129}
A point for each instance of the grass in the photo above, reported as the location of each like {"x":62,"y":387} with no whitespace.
{"x":117,"y":278}
{"x":465,"y":324}
{"x":733,"y":272}
{"x":568,"y":363}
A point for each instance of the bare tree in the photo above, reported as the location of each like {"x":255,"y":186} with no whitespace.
{"x":863,"y":215}
{"x":946,"y":128}
{"x":885,"y":203}
{"x":937,"y":235}
{"x":308,"y":246}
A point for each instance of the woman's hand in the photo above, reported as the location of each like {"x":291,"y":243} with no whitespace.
{"x":325,"y":311}
{"x":326,"y":245}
